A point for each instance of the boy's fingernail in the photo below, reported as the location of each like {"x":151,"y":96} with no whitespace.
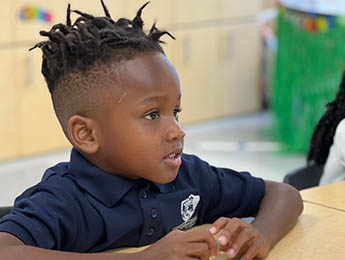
{"x":230,"y":252}
{"x":222,"y":240}
{"x":213,"y":230}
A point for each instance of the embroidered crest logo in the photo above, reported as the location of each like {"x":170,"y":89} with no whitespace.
{"x":188,"y":206}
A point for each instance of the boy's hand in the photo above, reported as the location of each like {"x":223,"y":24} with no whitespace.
{"x":238,"y":236}
{"x":179,"y":245}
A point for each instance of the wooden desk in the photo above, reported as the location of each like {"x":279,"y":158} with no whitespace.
{"x":332,"y":195}
{"x":318,"y":235}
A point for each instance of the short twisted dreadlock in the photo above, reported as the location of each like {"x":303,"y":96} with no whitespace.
{"x":76,"y":53}
{"x":323,"y":134}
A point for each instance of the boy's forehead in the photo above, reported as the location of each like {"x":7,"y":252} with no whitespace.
{"x":121,"y":75}
{"x":145,"y":69}
{"x":145,"y":79}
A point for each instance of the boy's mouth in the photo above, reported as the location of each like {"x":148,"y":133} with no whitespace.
{"x":171,"y":156}
{"x":174,"y":153}
{"x":174,"y":158}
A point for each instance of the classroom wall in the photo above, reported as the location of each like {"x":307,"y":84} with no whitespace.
{"x":216,"y":54}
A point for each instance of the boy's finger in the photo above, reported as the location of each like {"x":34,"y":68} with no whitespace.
{"x":243,"y":238}
{"x":218,"y":225}
{"x":197,"y":249}
{"x":229,"y":231}
{"x":251,"y":252}
{"x":206,"y":236}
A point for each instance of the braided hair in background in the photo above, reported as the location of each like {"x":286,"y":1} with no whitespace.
{"x":323,"y":134}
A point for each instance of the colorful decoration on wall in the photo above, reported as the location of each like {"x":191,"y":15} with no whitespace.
{"x":35,"y":13}
{"x":310,"y":60}
{"x":312,"y":22}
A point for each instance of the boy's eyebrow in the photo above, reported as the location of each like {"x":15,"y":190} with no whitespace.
{"x":156,"y":99}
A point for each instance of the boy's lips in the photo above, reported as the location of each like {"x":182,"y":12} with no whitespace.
{"x":176,"y":151}
{"x":174,"y":157}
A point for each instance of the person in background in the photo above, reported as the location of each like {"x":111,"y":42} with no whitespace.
{"x":128,"y":182}
{"x":327,"y":146}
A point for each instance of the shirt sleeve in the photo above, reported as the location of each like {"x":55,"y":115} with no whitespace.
{"x":226,"y":192}
{"x":44,"y":217}
{"x":334,"y":170}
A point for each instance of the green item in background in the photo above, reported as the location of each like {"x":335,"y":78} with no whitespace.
{"x":308,"y":68}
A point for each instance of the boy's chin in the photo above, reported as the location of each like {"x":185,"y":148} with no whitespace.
{"x":166,"y":179}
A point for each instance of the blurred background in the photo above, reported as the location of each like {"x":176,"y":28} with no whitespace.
{"x":255,"y":78}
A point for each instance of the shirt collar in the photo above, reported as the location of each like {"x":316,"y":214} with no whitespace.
{"x":104,"y":186}
{"x":165,"y":187}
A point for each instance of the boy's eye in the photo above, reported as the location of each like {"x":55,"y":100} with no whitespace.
{"x":176,"y":112}
{"x":152,"y":115}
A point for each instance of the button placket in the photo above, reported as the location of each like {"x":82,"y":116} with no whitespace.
{"x":150,"y":231}
{"x":149,"y":204}
{"x":144,"y":195}
{"x":154,"y":213}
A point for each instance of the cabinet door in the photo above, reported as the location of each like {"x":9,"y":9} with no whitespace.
{"x":218,"y":70}
{"x":9,"y":121}
{"x":6,"y":32}
{"x":39,"y":128}
{"x":195,"y":62}
{"x":208,"y":13}
{"x":196,"y":11}
{"x":238,"y":68}
{"x":239,"y":9}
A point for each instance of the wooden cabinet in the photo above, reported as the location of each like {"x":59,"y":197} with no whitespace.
{"x":216,"y":55}
{"x":218,"y":69}
{"x":28,"y":18}
{"x":6,"y":32}
{"x":238,"y":68}
{"x":9,"y":127}
{"x":194,"y":11}
{"x":27,"y":121}
{"x":195,"y":63}
{"x":39,"y":128}
{"x":239,"y":10}
{"x":209,"y":12}
{"x":266,"y":4}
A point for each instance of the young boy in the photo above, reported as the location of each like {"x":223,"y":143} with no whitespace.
{"x":117,"y":98}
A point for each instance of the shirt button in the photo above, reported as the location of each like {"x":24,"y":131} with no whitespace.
{"x":154,"y":213}
{"x":144,"y":195}
{"x":150,"y":231}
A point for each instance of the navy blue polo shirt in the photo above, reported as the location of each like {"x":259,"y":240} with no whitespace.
{"x":81,"y":208}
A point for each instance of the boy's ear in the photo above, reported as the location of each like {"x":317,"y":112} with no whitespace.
{"x":82,"y":134}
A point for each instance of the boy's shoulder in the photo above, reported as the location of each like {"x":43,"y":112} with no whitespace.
{"x":59,"y":170}
{"x":192,"y":163}
{"x":81,"y":180}
{"x":55,"y":182}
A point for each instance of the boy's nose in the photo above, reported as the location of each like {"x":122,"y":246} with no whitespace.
{"x":174,"y":132}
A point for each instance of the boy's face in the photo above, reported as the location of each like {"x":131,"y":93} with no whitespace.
{"x":139,"y":134}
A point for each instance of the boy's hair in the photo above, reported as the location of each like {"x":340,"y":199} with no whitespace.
{"x":77,"y":54}
{"x":323,"y":134}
